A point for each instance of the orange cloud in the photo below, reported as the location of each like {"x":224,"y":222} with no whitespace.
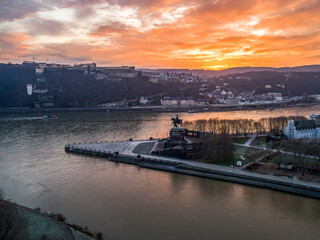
{"x":13,"y":46}
{"x":175,"y":34}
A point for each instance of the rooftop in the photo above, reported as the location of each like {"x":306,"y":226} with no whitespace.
{"x":305,"y":124}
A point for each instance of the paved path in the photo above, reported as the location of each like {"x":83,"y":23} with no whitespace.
{"x":247,"y":143}
{"x":232,"y":170}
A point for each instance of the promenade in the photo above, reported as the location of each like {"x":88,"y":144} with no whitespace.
{"x":235,"y":174}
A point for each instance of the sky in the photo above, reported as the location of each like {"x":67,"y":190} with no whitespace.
{"x":193,"y":34}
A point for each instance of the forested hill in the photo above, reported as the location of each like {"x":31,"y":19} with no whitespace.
{"x":288,"y":83}
{"x":68,"y":88}
{"x":13,"y":80}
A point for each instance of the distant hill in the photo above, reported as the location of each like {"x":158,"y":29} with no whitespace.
{"x":213,"y":73}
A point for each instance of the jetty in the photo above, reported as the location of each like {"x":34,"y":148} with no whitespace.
{"x":139,"y":153}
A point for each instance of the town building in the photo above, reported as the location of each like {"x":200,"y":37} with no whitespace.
{"x":277,"y":96}
{"x":201,"y":102}
{"x":153,"y":79}
{"x":232,"y":101}
{"x":166,"y":101}
{"x":85,"y":65}
{"x":302,"y":129}
{"x":183,"y":102}
{"x":143,"y":100}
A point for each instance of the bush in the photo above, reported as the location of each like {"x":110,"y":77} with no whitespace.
{"x":99,"y":236}
{"x":60,"y":217}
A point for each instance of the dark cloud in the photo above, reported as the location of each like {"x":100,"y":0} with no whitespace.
{"x":16,"y":9}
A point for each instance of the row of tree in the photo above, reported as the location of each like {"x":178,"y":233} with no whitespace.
{"x":238,"y":127}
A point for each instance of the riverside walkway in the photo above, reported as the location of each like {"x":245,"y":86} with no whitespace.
{"x":126,"y":149}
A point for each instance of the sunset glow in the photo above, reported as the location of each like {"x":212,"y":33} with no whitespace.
{"x":162,"y":33}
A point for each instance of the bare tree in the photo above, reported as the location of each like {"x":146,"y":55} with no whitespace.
{"x":188,"y":125}
{"x":201,"y":125}
{"x":217,"y":148}
{"x":258,"y":128}
{"x":213,"y":125}
{"x":12,"y":225}
{"x":224,"y":127}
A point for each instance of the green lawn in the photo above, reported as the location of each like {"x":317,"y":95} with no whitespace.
{"x":259,"y":142}
{"x":241,"y":140}
{"x":239,"y":152}
{"x":289,"y":158}
{"x":42,"y":228}
{"x":249,"y":154}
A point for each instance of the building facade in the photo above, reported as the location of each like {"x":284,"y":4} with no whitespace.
{"x":302,"y":129}
{"x":183,"y":102}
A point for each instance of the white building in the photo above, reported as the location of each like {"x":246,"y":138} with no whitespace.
{"x":190,"y":101}
{"x":143,"y":100}
{"x":168,"y":101}
{"x":29,"y":89}
{"x":39,"y":71}
{"x":302,"y":129}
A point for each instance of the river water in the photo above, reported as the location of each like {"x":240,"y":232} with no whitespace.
{"x":127,"y":202}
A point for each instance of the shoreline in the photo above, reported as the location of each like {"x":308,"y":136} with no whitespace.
{"x":215,"y":108}
{"x":175,"y":165}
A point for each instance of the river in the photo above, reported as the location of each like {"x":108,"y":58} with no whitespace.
{"x":127,"y":202}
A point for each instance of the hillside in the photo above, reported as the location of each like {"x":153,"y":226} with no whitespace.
{"x":68,"y":88}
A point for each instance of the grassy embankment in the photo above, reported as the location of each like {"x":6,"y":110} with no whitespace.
{"x":37,"y":225}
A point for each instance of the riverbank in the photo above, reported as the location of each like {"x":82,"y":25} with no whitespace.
{"x":124,"y":152}
{"x":40,"y":225}
{"x":205,"y":108}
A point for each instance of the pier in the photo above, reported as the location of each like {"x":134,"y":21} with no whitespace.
{"x":125,"y":152}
